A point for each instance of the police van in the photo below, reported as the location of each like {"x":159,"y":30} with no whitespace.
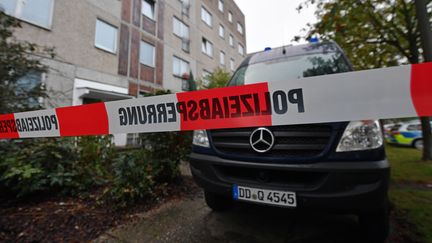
{"x":340,"y":166}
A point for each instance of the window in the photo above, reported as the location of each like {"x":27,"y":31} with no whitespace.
{"x":414,"y":127}
{"x":133,"y":139}
{"x":29,"y":83}
{"x":106,"y":36}
{"x":35,"y":12}
{"x":147,"y":54}
{"x":231,"y":40}
{"x":222,"y":58}
{"x":180,"y":29}
{"x":230,"y":17}
{"x":185,"y":7}
{"x":240,"y":28}
{"x":232,"y":64}
{"x":240,"y":49}
{"x":205,"y":76}
{"x":207,"y":47}
{"x":221,"y":31}
{"x":147,"y":8}
{"x":206,"y":16}
{"x":180,"y":67}
{"x":287,"y":68}
{"x":221,"y":5}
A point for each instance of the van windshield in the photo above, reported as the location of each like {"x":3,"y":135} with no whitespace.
{"x":284,"y":69}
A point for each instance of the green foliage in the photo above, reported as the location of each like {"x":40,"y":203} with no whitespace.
{"x":191,"y":82}
{"x":147,"y":172}
{"x":406,"y":165}
{"x":96,"y":153}
{"x":218,"y":79}
{"x":138,"y":175}
{"x":416,"y":201}
{"x":373,"y":33}
{"x":54,"y":165}
{"x":38,"y":166}
{"x":418,"y":207}
{"x":173,"y":146}
{"x":131,"y":180}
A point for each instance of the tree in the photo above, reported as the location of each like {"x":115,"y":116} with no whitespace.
{"x":191,"y":82}
{"x":218,"y":79}
{"x":17,"y":60}
{"x":426,"y":41}
{"x":373,"y":33}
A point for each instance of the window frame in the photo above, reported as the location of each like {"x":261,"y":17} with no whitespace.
{"x":231,"y":40}
{"x":153,"y":64}
{"x":205,"y":43}
{"x":204,"y":10}
{"x":181,"y":60}
{"x":221,"y":27}
{"x":153,"y":9}
{"x":230,"y":17}
{"x":221,"y":5}
{"x":205,"y":75}
{"x":241,"y":47}
{"x":181,"y":23}
{"x":222,"y":60}
{"x":116,"y":37}
{"x":232,"y":64}
{"x":15,"y":14}
{"x":240,"y":28}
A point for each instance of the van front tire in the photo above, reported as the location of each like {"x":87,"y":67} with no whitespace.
{"x":375,"y":225}
{"x":217,"y":202}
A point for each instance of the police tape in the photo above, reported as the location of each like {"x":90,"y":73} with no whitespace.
{"x":394,"y":92}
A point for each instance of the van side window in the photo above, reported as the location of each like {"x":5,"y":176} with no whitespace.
{"x":414,"y":127}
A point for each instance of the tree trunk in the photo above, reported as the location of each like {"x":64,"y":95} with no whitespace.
{"x":426,"y":40}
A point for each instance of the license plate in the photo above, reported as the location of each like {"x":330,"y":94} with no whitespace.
{"x":273,"y":197}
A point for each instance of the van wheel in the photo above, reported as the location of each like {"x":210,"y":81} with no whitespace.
{"x":217,"y":202}
{"x":375,"y":225}
{"x":418,"y":144}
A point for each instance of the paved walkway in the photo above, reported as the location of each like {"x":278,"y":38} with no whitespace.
{"x":191,"y":221}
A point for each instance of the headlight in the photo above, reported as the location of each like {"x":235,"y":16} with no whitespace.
{"x":361,"y":135}
{"x":200,"y":138}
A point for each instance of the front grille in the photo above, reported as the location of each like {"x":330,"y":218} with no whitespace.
{"x":293,"y":140}
{"x":298,"y":179}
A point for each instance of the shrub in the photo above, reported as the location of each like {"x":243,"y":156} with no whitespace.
{"x":96,"y":154}
{"x":54,"y":165}
{"x":148,"y":171}
{"x":131,"y":180}
{"x":38,"y":165}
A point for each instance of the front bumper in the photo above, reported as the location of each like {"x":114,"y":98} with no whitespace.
{"x":335,"y":186}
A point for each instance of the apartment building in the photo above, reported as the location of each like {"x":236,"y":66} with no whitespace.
{"x":116,"y":49}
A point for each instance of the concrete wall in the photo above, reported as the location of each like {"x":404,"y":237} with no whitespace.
{"x":199,"y":61}
{"x":73,"y":35}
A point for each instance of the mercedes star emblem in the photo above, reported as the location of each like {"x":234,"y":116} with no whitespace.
{"x":261,"y":140}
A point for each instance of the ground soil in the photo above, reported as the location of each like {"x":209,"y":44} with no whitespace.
{"x":74,"y":219}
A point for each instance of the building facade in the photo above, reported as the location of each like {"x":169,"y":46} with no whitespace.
{"x":115,"y":49}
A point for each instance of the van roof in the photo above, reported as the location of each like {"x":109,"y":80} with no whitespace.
{"x":298,"y":50}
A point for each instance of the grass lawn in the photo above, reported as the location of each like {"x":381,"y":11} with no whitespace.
{"x":416,"y":201}
{"x":406,"y":165}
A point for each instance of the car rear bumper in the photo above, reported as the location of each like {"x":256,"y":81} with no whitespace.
{"x":336,"y":186}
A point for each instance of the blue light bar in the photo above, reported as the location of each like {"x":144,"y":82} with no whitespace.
{"x":313,"y":40}
{"x":267,"y":49}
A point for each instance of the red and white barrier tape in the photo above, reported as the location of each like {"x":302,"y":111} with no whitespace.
{"x":393,"y":92}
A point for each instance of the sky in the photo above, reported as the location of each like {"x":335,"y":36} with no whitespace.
{"x":273,"y":23}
